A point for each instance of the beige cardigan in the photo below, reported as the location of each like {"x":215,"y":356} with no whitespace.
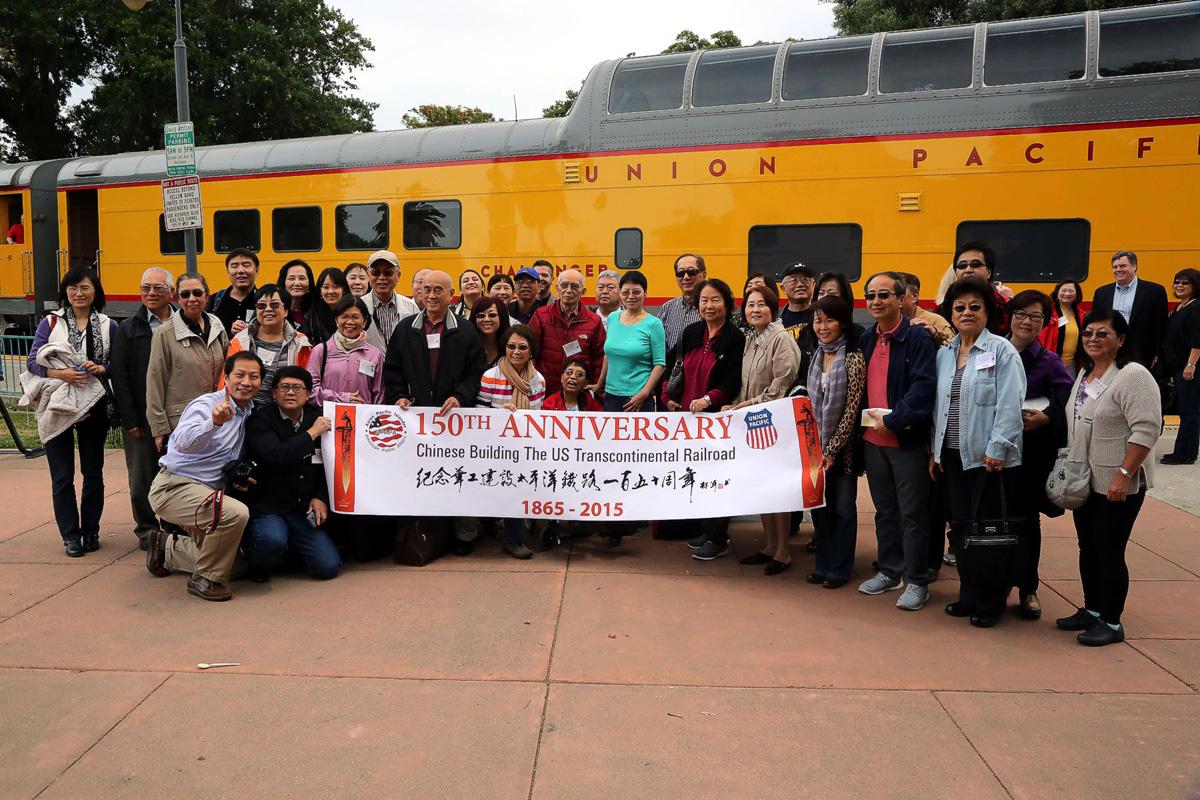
{"x":769,"y":365}
{"x":1128,"y":412}
{"x":182,"y":367}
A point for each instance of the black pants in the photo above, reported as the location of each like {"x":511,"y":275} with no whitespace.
{"x":1031,"y":490}
{"x":83,"y":519}
{"x":714,"y":530}
{"x":937,"y":525}
{"x":959,"y":489}
{"x":1103,"y":528}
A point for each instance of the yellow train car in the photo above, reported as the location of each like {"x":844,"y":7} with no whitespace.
{"x":1058,"y":141}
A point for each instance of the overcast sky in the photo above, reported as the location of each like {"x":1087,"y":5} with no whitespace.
{"x":480,"y":52}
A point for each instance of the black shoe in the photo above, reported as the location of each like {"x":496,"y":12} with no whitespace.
{"x":143,"y":545}
{"x":260,"y":574}
{"x":811,"y":546}
{"x":696,"y":542}
{"x":1081,"y":620}
{"x":1171,"y":458}
{"x":960,"y":609}
{"x":74,"y":548}
{"x":757,"y":558}
{"x":815,"y":577}
{"x":461,"y":547}
{"x":91,"y":542}
{"x":984,"y":620}
{"x":1101,"y":633}
{"x":835,"y":583}
{"x":775,"y":567}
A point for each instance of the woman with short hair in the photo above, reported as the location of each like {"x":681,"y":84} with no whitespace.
{"x":320,"y":321}
{"x":346,"y":368}
{"x":272,"y":338}
{"x":296,"y":282}
{"x":1061,"y":334}
{"x":470,"y":289}
{"x":359,"y":278}
{"x":501,"y":287}
{"x":490,"y":316}
{"x":635,"y":350}
{"x":573,"y":396}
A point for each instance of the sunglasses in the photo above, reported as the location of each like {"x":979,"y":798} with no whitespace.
{"x":974,"y":308}
{"x":687,"y":273}
{"x":184,"y":294}
{"x":974,"y":263}
{"x":880,"y":295}
{"x":518,"y":347}
{"x":269,"y":306}
{"x":1091,"y":334}
{"x":376,"y":271}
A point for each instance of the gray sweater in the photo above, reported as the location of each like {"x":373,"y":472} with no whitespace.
{"x":1129,"y":411}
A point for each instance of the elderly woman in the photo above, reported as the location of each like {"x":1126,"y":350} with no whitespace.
{"x":501,"y":287}
{"x":837,"y":381}
{"x":1116,"y":410}
{"x":319,"y":323}
{"x":296,"y":280}
{"x":635,"y":350}
{"x":1044,"y":420}
{"x":1180,"y":354}
{"x":770,"y":361}
{"x":358,"y":278}
{"x":977,"y":432}
{"x":346,"y":368}
{"x":977,"y":260}
{"x":272,"y":338}
{"x":1061,"y":333}
{"x":710,"y":352}
{"x":470,"y":289}
{"x":72,"y":346}
{"x":514,"y":384}
{"x":187,"y":358}
{"x":490,"y":316}
{"x":573,"y":396}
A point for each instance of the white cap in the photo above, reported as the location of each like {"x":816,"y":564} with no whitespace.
{"x":384,"y":255}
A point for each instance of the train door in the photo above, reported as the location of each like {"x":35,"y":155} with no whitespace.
{"x":83,"y":229}
{"x":16,"y":249}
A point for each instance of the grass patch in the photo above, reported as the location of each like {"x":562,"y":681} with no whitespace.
{"x":26,"y":424}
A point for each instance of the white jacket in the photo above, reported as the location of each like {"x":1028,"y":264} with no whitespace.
{"x":58,"y":404}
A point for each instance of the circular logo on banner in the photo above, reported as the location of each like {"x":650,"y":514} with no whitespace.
{"x":385,"y":430}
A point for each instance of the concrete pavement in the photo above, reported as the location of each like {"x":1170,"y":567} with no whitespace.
{"x":584,"y":673}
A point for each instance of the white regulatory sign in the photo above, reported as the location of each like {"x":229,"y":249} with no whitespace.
{"x":180,"y":140}
{"x":181,"y":203}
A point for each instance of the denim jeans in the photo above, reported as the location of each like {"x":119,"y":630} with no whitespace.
{"x":836,"y":525}
{"x":268,"y":537}
{"x":616,"y":402}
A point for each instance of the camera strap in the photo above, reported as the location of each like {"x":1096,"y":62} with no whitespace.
{"x":203,"y":529}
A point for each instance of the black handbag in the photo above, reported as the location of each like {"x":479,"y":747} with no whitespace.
{"x":988,"y":548}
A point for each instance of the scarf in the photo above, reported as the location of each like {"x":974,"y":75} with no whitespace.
{"x":346,"y":345}
{"x":829,"y":401}
{"x":87,"y":343}
{"x":520,"y":382}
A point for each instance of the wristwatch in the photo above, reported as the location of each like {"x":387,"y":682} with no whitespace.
{"x":1124,"y":472}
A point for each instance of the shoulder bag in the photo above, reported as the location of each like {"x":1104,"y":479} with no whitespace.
{"x":1070,"y":481}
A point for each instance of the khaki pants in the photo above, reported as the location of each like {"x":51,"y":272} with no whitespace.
{"x":182,"y":501}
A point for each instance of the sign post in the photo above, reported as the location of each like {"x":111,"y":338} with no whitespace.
{"x":180,"y":138}
{"x":181,"y":203}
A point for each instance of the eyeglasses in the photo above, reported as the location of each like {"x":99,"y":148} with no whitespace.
{"x":1025,"y":315}
{"x":521,"y":348}
{"x":184,"y":294}
{"x":575,"y":286}
{"x":269,"y":306}
{"x":81,"y":288}
{"x":1091,"y":334}
{"x":882,"y":294}
{"x":974,"y":263}
{"x":687,"y":273}
{"x":792,"y":280}
{"x":575,"y":373}
{"x":291,"y":388}
{"x":974,"y":308}
{"x":377,"y":271}
{"x":153,"y":288}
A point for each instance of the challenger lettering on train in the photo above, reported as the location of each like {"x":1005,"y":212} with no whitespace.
{"x":385,"y":460}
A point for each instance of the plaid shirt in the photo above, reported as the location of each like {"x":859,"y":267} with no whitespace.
{"x":676,"y":315}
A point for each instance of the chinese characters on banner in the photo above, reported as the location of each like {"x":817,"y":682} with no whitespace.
{"x":484,"y":462}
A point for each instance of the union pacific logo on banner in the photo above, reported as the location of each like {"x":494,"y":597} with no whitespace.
{"x":760,"y":430}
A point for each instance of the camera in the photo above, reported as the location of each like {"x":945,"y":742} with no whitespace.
{"x":237,"y":474}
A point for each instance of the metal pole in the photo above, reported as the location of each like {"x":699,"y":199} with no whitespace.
{"x":183,"y":113}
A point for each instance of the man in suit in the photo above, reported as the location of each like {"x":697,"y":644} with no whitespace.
{"x":1142,"y":303}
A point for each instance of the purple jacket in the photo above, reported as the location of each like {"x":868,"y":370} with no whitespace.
{"x":337,"y":373}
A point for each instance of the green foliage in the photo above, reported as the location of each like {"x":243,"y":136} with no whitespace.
{"x":257,"y":70}
{"x":871,"y":16}
{"x":686,"y":41}
{"x":435,"y":116}
{"x":560,"y":108}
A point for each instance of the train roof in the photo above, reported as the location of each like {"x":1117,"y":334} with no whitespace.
{"x":1074,"y":69}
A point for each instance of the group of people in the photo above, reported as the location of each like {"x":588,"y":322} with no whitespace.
{"x":952,"y":416}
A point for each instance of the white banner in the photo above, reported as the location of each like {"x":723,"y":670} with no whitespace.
{"x":582,"y":466}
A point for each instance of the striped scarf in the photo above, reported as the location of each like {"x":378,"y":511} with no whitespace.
{"x":828,"y":401}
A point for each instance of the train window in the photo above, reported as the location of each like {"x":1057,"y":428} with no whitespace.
{"x":920,"y":61}
{"x":734,"y":76}
{"x":648,"y":84}
{"x":1035,"y":50}
{"x":361,"y":226}
{"x":824,"y":248}
{"x":433,"y":225}
{"x":627,"y":246}
{"x":1138,"y":43}
{"x":170,"y":243}
{"x":1033,"y":250}
{"x":295,"y":230}
{"x":234,"y":229}
{"x":826,"y":68}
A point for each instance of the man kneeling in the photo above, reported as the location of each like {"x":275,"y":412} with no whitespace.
{"x":288,"y":501}
{"x":189,"y":488}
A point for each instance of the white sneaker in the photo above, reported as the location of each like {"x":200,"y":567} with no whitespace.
{"x":881,"y":583}
{"x":914,"y":598}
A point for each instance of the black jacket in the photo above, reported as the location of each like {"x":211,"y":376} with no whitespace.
{"x":128,"y":365}
{"x":911,"y":381}
{"x":406,"y":367}
{"x":1147,"y":322}
{"x":729,"y":346}
{"x":287,"y":479}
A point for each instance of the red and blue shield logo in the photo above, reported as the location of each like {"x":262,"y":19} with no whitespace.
{"x":760,"y":430}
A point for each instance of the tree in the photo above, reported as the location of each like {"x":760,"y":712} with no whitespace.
{"x":871,"y":16}
{"x":560,"y":108}
{"x":435,"y":116}
{"x":257,"y":71}
{"x":686,"y":41}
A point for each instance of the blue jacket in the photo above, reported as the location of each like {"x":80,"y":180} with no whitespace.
{"x":912,"y":378}
{"x":989,"y":402}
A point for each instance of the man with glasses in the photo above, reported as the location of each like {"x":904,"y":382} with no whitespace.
{"x":977,"y":260}
{"x":566,"y":330}
{"x":901,"y":382}
{"x":385,"y":305}
{"x":127,"y":371}
{"x":608,"y":297}
{"x":289,"y":502}
{"x":528,"y":284}
{"x":1142,"y":303}
{"x":796,"y":316}
{"x":679,"y":312}
{"x":234,"y":305}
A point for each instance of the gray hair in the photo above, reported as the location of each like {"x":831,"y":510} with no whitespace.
{"x":193,"y":276}
{"x":166,"y":276}
{"x":898,"y":277}
{"x":608,"y":273}
{"x":1132,"y":256}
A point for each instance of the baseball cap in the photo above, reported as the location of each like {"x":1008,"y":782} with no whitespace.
{"x":527,"y":272}
{"x":798,"y":269}
{"x":384,"y":255}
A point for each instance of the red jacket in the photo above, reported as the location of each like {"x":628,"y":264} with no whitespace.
{"x":586,"y":403}
{"x":554,"y":333}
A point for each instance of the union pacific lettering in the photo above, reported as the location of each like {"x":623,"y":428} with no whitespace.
{"x":630,"y":428}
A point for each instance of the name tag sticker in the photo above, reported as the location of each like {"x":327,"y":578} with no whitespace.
{"x":268,"y":358}
{"x":250,"y":315}
{"x":367,"y":368}
{"x":434,"y":340}
{"x":985,"y":361}
{"x":1095,"y":389}
{"x":572,"y":348}
{"x":1062,"y":322}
